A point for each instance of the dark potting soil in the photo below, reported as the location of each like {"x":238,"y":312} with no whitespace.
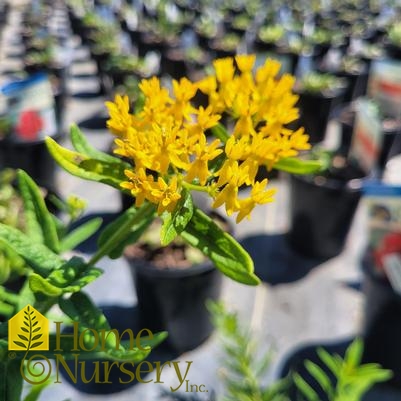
{"x":168,"y":257}
{"x":177,"y":255}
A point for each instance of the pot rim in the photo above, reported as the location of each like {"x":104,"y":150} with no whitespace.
{"x":146,"y":268}
{"x":351,"y":185}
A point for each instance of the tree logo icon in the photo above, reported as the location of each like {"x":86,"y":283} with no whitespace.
{"x":28,"y":330}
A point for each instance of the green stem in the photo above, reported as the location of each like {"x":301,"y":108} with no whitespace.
{"x":220,"y":132}
{"x":195,"y":187}
{"x":121,"y":233}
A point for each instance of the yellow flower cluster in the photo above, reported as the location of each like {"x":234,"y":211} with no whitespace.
{"x":167,"y":143}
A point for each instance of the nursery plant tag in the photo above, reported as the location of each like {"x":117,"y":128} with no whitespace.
{"x":367,"y":136}
{"x":392,"y":266}
{"x":385,"y":86}
{"x":384,"y":222}
{"x":31,"y":108}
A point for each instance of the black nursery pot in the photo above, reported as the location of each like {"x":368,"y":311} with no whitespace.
{"x":315,"y":110}
{"x":382,"y":323}
{"x":322,"y":209}
{"x":174,"y":300}
{"x":33,"y":157}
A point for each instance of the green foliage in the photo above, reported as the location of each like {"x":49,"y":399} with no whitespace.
{"x":54,"y":280}
{"x":271,"y":33}
{"x":394,"y":34}
{"x":175,"y":223}
{"x":315,"y":82}
{"x":197,"y":229}
{"x":352,"y":379}
{"x":220,"y":247}
{"x":244,"y":367}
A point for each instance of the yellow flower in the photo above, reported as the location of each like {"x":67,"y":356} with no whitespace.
{"x":165,"y":195}
{"x":228,"y":196}
{"x":259,"y":196}
{"x":120,"y":118}
{"x":168,"y":135}
{"x":203,"y":154}
{"x":245,"y":62}
{"x":139,"y":184}
{"x":224,"y":68}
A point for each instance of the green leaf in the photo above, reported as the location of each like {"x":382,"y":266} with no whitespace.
{"x":320,"y":376}
{"x":82,"y":145}
{"x":223,"y":250}
{"x":297,"y":166}
{"x":39,"y":257}
{"x":126,"y":229}
{"x":80,"y":308}
{"x":80,"y":234}
{"x":39,"y":284}
{"x":354,"y":353}
{"x":12,"y":376}
{"x":174,"y":223}
{"x":305,"y":388}
{"x":71,"y":277}
{"x":40,"y":225}
{"x":329,"y":361}
{"x":80,"y":165}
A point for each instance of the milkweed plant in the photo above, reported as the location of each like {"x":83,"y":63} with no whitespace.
{"x":169,"y":147}
{"x":165,"y":150}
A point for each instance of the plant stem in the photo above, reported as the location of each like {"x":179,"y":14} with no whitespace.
{"x":122,"y":232}
{"x":220,"y":132}
{"x":195,"y":187}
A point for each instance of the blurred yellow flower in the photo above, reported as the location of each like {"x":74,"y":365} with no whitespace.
{"x":167,"y":138}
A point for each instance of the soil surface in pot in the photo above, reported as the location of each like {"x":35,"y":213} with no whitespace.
{"x":177,"y":255}
{"x":174,"y":256}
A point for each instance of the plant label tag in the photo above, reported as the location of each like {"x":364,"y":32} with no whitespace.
{"x":367,"y":136}
{"x":31,"y":108}
{"x":392,"y":267}
{"x":385,"y":86}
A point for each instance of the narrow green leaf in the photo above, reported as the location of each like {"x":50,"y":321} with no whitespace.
{"x":305,"y":388}
{"x":82,"y":145}
{"x":329,"y":361}
{"x":39,"y":257}
{"x":126,"y":229}
{"x":84,"y":167}
{"x":320,"y":376}
{"x":223,"y":250}
{"x":80,"y":234}
{"x":174,"y":223}
{"x":40,"y":226}
{"x":297,"y":166}
{"x":354,"y":353}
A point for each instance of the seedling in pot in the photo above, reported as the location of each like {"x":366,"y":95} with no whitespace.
{"x":271,"y":34}
{"x":315,"y":83}
{"x":394,"y":34}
